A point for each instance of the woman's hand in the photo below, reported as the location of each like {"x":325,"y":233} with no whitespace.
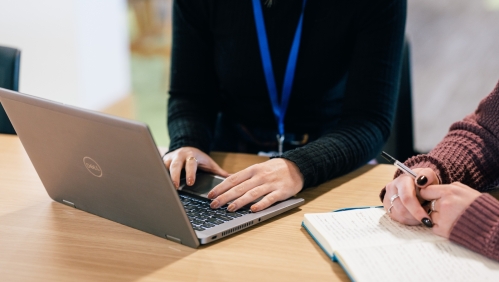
{"x":190,"y":158}
{"x":407,"y":207}
{"x":448,"y":203}
{"x":274,"y":180}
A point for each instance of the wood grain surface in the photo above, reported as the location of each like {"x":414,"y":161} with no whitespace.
{"x":41,"y":240}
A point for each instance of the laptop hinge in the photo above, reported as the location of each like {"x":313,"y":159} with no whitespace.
{"x":68,"y":203}
{"x":171,"y":238}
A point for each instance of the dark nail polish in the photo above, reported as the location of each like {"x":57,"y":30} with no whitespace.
{"x":421,"y":180}
{"x":427,"y":222}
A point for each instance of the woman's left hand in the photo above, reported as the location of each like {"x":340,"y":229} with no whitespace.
{"x":274,"y":180}
{"x":448,"y":203}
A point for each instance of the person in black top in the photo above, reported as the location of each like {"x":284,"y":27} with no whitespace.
{"x":341,"y":103}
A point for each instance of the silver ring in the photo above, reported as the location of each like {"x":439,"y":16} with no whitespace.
{"x":433,"y":205}
{"x":191,"y":158}
{"x":393,"y":197}
{"x":390,"y":209}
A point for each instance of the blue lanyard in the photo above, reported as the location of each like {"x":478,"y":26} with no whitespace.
{"x":279,"y":109}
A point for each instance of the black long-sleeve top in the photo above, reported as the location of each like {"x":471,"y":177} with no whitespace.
{"x":345,"y":85}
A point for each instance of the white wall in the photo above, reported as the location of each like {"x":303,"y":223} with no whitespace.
{"x":454,"y":61}
{"x":72,"y":51}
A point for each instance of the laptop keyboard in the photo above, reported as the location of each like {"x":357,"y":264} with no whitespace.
{"x":203,"y":217}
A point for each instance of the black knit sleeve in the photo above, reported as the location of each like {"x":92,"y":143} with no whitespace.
{"x":370,"y":98}
{"x":193,"y":102}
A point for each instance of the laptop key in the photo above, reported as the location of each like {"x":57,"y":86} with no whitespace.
{"x":198,"y":228}
{"x":224,"y":218}
{"x":233,"y":214}
{"x":202,"y":216}
{"x":211,"y":214}
{"x":208,"y":225}
{"x":214,"y":220}
{"x":197,"y":222}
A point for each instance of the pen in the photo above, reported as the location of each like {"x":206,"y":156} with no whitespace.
{"x":420,"y":180}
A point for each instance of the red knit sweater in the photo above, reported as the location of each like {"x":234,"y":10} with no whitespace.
{"x":469,"y":153}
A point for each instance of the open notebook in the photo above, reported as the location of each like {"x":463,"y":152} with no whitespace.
{"x":372,"y":247}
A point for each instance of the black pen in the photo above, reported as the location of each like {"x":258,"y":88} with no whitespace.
{"x":420,"y":180}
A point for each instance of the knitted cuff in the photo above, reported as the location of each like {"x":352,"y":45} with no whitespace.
{"x":478,"y":227}
{"x":423,"y":161}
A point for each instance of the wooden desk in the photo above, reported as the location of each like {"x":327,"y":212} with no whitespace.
{"x":46,"y":241}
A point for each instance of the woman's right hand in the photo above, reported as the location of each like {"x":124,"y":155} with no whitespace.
{"x":190,"y":158}
{"x":407,"y":207}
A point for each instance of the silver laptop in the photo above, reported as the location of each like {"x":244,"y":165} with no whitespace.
{"x":111,"y":167}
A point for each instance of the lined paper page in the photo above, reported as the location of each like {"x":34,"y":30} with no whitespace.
{"x":366,"y":227}
{"x":425,"y":261}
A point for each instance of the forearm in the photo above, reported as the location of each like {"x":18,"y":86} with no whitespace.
{"x":478,"y":227}
{"x":369,"y":102}
{"x":462,"y":156}
{"x":339,"y":152}
{"x":467,"y":154}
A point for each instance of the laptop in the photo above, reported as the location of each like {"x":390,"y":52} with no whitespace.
{"x":111,"y":167}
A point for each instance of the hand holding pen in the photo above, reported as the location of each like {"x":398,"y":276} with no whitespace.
{"x":408,"y":209}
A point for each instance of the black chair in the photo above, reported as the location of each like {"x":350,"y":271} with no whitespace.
{"x":10,"y":59}
{"x":400,"y":144}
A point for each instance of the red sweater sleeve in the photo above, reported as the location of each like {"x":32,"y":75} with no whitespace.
{"x":478,"y":227}
{"x":469,"y":153}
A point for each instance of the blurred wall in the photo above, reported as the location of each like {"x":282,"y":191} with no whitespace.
{"x":455,"y":62}
{"x":72,"y":51}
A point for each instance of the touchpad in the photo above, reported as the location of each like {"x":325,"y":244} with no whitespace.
{"x":203,"y":184}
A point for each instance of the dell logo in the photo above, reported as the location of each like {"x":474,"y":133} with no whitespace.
{"x":92,"y":166}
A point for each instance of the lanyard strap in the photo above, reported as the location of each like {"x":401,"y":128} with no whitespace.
{"x":279,"y":109}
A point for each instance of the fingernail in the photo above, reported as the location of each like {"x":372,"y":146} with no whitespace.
{"x":254,"y":208}
{"x":427,"y":222}
{"x":189,"y":181}
{"x":211,"y":194}
{"x":421,"y":180}
{"x":232,"y":207}
{"x":175,"y":184}
{"x":215,"y":204}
